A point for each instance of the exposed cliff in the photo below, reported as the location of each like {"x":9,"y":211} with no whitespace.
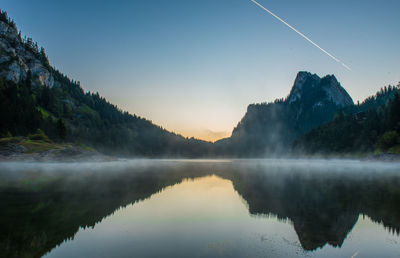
{"x":18,"y":56}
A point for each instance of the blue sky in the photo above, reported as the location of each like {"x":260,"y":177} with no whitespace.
{"x":193,"y":66}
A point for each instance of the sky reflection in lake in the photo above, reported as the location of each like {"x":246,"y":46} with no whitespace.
{"x":238,"y":208}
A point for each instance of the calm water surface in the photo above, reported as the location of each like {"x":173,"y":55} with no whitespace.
{"x":200,"y":208}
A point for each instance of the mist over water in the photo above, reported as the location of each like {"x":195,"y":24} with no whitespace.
{"x":311,"y":165}
{"x":200,"y":208}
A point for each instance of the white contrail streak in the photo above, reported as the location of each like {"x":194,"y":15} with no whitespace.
{"x":301,"y":34}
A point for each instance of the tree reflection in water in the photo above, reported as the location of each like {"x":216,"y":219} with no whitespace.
{"x":41,"y":208}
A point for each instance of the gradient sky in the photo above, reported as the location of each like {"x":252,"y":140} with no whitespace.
{"x":193,"y":66}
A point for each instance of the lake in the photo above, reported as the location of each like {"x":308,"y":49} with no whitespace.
{"x":200,"y":208}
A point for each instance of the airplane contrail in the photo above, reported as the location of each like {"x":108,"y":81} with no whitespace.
{"x":301,"y":34}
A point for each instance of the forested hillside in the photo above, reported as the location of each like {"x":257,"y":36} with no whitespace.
{"x":34,"y":95}
{"x":373,"y":125}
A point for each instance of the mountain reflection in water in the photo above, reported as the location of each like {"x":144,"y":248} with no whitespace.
{"x":191,"y":208}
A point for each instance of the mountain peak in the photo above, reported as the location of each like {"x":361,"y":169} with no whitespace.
{"x":324,"y":89}
{"x":301,"y":80}
{"x":335,"y":91}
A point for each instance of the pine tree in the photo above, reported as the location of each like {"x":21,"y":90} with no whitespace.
{"x":61,"y":129}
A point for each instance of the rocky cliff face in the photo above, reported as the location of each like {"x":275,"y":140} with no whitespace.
{"x":298,"y":89}
{"x":18,"y":56}
{"x":330,"y":89}
{"x":314,"y":100}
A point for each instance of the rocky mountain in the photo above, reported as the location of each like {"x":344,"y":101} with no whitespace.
{"x":314,"y":100}
{"x":331,"y":88}
{"x":270,"y":128}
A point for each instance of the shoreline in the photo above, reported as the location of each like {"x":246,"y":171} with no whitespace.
{"x":21,"y":149}
{"x":78,"y":154}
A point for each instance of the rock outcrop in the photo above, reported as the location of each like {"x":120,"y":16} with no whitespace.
{"x":18,"y":56}
{"x":306,"y":82}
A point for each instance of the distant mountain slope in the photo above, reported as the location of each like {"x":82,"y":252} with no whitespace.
{"x":34,"y":95}
{"x":269,"y":128}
